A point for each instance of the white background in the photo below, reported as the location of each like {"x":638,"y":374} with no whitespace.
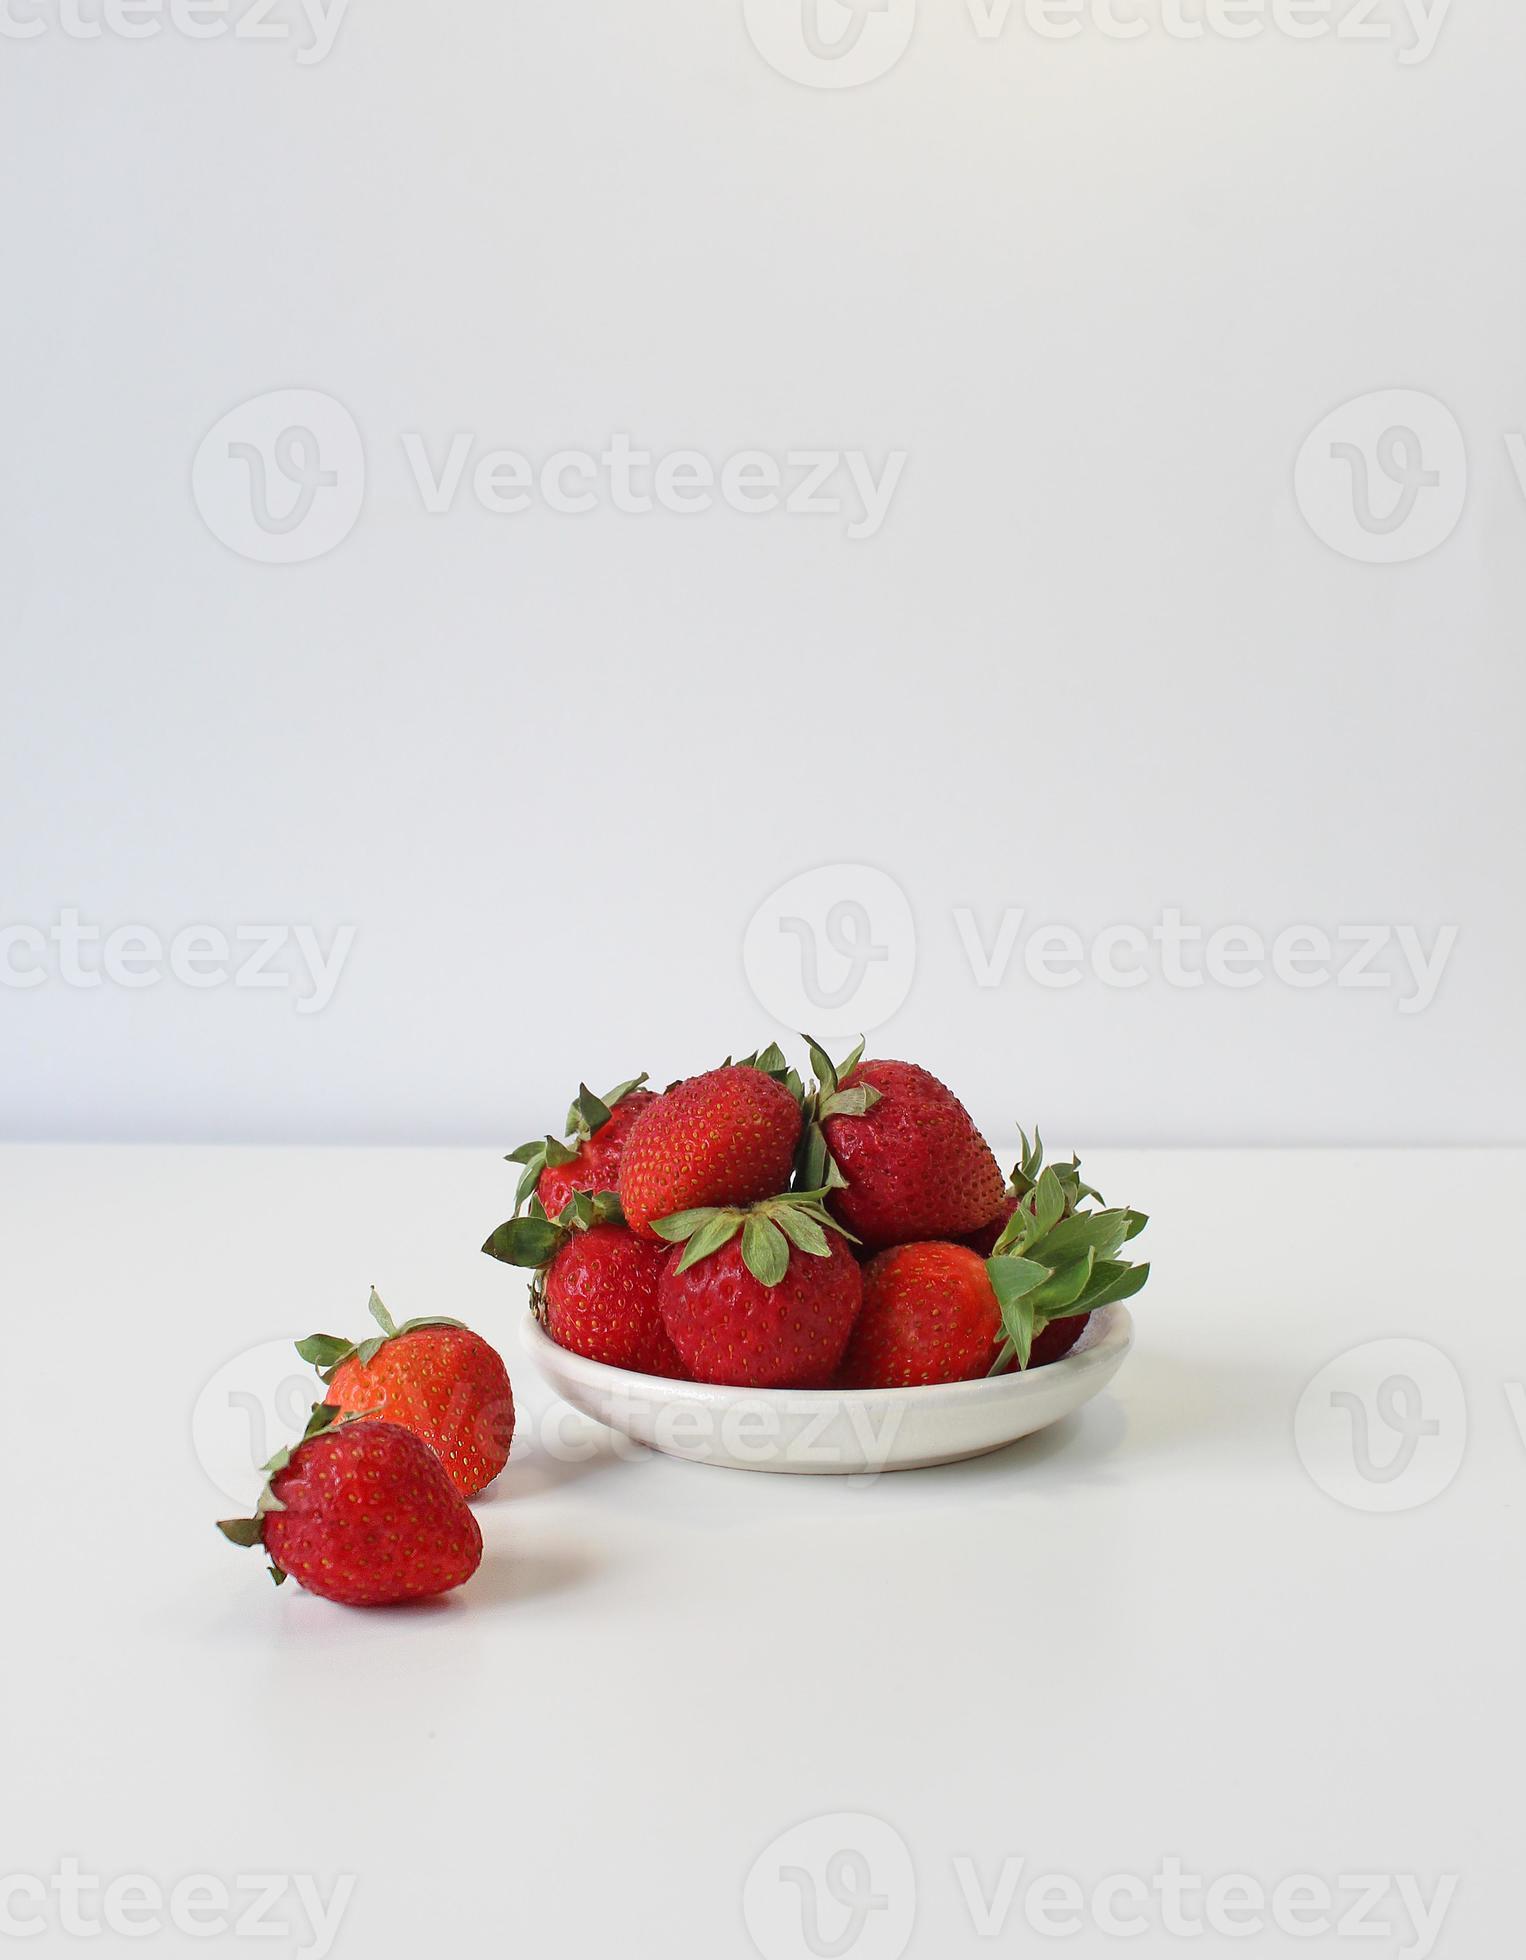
{"x":1095,"y":664}
{"x":1101,"y":661}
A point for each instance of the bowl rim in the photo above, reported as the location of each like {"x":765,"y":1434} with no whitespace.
{"x":1108,"y":1338}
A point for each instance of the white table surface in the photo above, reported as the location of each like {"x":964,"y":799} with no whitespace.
{"x":1149,"y":1634}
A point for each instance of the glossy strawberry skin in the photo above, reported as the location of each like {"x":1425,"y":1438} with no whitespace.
{"x":730,"y":1328}
{"x":449,"y":1387}
{"x":601,"y":1301}
{"x":724,"y":1138}
{"x":597,"y":1166}
{"x":371,"y":1518}
{"x":917,"y":1167}
{"x":929,"y":1315}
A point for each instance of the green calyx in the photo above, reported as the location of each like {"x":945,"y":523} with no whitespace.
{"x":587,"y":1114}
{"x":1029,"y":1167}
{"x":535,"y":1239}
{"x":797,"y":1220}
{"x":248,"y":1532}
{"x":815,"y":1166}
{"x":326,"y":1352}
{"x":1055,"y":1259}
{"x":772,"y":1062}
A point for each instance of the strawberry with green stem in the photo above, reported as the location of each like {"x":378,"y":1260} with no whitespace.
{"x":431,"y":1375}
{"x":597,"y":1127}
{"x":762,"y":1295}
{"x":363,"y":1513}
{"x":901,"y":1149}
{"x":1049,"y":1265}
{"x":594,"y":1288}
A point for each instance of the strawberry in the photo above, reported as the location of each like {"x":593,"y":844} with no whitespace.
{"x":724,"y":1138}
{"x":940,"y":1312}
{"x":363,"y":1513}
{"x":433,"y":1376}
{"x":553,"y":1171}
{"x":910,"y":1161}
{"x":930,"y":1314}
{"x":760,"y":1297}
{"x":595,"y":1290}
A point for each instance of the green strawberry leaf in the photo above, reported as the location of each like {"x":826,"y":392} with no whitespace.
{"x":765,"y":1250}
{"x":325,"y":1351}
{"x":821,"y":1062}
{"x":525,"y":1241}
{"x":852,"y":1062}
{"x":1014,"y":1278}
{"x":812,"y":1159}
{"x":381,"y":1316}
{"x":718,"y":1230}
{"x":1111,"y":1282}
{"x":243,"y":1531}
{"x":528,"y":1153}
{"x":1048,"y":1203}
{"x":857,"y":1101}
{"x":802,"y":1230}
{"x":1099,"y":1232}
{"x":1068,"y":1284}
{"x":1020,"y":1318}
{"x":681,"y":1225}
{"x":587,"y":1114}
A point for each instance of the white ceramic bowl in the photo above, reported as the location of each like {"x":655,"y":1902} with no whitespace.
{"x":836,"y":1431}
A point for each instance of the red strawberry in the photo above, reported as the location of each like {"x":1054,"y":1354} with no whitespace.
{"x":915,"y":1167}
{"x":363,"y":1513}
{"x":930,"y":1314}
{"x":595,"y":1290}
{"x":724,"y":1138}
{"x":433,"y":1376}
{"x":938,"y":1312}
{"x":598,"y":1127}
{"x":761,"y":1298}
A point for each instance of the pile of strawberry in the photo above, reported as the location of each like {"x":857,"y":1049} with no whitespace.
{"x":738,"y":1228}
{"x":369,"y":1506}
{"x":743,"y":1228}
